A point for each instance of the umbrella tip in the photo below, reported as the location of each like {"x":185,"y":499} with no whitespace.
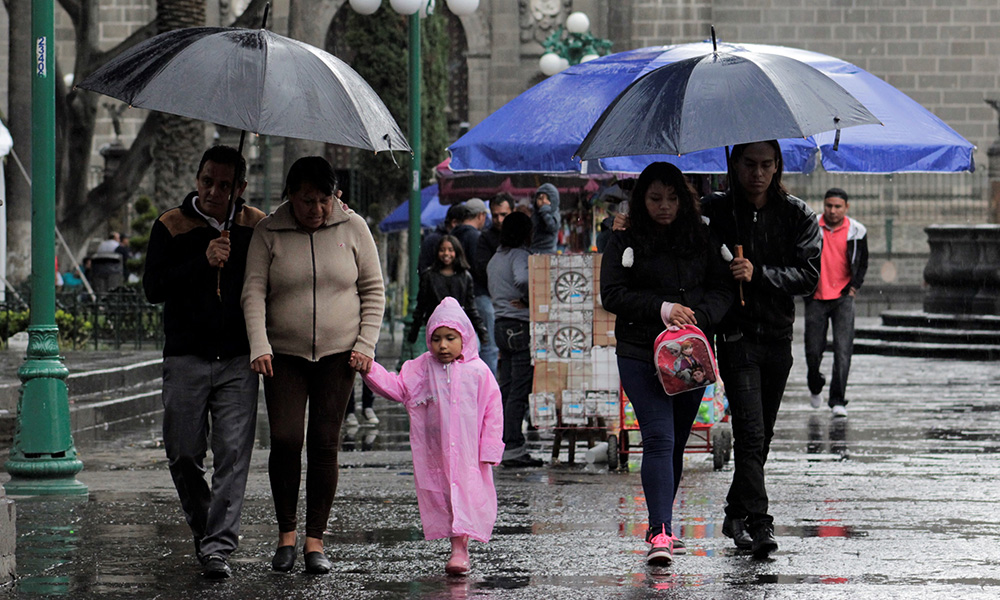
{"x":714,"y":46}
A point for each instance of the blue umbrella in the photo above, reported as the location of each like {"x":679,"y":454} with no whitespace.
{"x":432,"y":212}
{"x":540,"y":130}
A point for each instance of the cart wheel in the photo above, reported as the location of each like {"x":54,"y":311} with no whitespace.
{"x":718,"y":448}
{"x":612,"y":452}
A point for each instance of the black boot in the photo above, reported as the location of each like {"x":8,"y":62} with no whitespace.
{"x":736,"y":528}
{"x":763,"y":540}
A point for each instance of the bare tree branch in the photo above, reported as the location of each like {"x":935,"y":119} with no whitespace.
{"x":74,"y":8}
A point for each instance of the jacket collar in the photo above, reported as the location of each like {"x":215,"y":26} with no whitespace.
{"x":188,"y":208}
{"x":282,"y":218}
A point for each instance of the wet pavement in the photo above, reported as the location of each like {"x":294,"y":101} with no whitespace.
{"x":898,"y":501}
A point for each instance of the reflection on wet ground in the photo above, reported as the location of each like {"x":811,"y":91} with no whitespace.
{"x":897,"y":501}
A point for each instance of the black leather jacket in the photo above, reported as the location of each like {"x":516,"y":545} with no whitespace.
{"x":435,"y":287}
{"x":784,"y":243}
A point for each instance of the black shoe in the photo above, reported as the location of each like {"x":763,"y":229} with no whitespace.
{"x":525,"y":460}
{"x":284,"y":559}
{"x":216,"y":567}
{"x":317,"y":563}
{"x":735,"y":528}
{"x":763,"y":541}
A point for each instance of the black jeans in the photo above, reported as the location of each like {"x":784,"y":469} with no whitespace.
{"x":755,"y":374}
{"x":819,"y":314}
{"x":515,"y":375}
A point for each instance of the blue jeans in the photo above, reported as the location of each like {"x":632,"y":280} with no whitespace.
{"x":665,"y":422}
{"x":819,"y":315}
{"x":515,"y":374}
{"x":755,"y":374}
{"x":488,"y":352}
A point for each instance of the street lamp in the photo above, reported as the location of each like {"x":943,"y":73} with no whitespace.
{"x":414,"y":8}
{"x":571,"y":45}
{"x":43,"y":458}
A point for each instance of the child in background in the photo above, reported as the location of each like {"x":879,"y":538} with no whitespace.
{"x":456,"y":431}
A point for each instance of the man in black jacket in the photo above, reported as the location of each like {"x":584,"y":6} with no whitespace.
{"x":500,"y":206}
{"x":209,"y":391}
{"x":781,"y":243}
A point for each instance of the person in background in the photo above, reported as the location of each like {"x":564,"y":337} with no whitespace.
{"x":313,"y":300}
{"x":468,"y":231}
{"x":844,"y":264}
{"x":545,"y":220}
{"x":448,"y":276}
{"x":508,"y":281}
{"x":781,"y":242}
{"x":456,"y":426}
{"x":367,"y":408}
{"x":665,"y":270}
{"x":500,"y":206}
{"x":456,"y":215}
{"x":209,"y":391}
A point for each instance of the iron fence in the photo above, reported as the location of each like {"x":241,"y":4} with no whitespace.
{"x":118,"y":319}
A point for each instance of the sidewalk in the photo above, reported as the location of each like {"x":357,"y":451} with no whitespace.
{"x":898,"y":501}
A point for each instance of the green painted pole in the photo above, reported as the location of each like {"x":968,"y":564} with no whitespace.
{"x":414,"y":234}
{"x":43,"y":459}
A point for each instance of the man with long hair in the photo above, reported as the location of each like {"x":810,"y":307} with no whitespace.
{"x":781,"y":245}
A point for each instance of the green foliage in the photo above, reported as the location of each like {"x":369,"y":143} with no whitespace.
{"x":379,"y":43}
{"x":11,"y":322}
{"x":146,"y":214}
{"x":74,"y":331}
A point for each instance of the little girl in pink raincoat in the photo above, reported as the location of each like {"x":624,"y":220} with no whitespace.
{"x":456,"y":431}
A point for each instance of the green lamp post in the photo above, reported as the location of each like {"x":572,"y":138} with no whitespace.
{"x":43,"y":458}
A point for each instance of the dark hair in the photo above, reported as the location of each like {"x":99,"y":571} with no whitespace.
{"x":457,"y":213}
{"x":461,"y":264}
{"x":687,"y":233}
{"x":516,"y":230}
{"x":314,"y":170}
{"x":776,"y":189}
{"x":226,"y":155}
{"x":836,"y":193}
{"x":501,"y":198}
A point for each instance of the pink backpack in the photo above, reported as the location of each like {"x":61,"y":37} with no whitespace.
{"x":684,"y":360}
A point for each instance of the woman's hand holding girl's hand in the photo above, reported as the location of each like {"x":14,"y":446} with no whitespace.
{"x":262,"y":366}
{"x":682,"y":315}
{"x":361,"y":363}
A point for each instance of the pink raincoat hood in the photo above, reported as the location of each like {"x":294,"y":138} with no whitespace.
{"x":450,"y":314}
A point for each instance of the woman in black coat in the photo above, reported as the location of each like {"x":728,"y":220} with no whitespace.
{"x":665,"y":269}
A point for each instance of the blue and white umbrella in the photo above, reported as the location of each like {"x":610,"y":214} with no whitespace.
{"x":432,"y":212}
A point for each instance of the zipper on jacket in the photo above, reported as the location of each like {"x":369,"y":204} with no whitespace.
{"x":312,"y":250}
{"x":447,"y":371}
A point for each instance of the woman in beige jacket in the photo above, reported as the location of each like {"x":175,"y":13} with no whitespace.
{"x":313,"y":300}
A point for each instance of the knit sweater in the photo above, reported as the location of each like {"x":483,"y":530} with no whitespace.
{"x":312,"y":294}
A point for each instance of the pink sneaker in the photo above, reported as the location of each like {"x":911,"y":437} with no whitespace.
{"x":661,"y":553}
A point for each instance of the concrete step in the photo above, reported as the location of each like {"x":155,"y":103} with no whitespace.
{"x":928,"y":335}
{"x":940,"y":321}
{"x":986,"y":352}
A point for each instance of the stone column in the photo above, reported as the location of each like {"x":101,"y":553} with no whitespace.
{"x":994,"y":163}
{"x":8,"y":538}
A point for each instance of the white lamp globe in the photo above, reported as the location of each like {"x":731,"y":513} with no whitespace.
{"x":365,"y":7}
{"x":406,"y":7}
{"x":550,"y":63}
{"x":563,"y":64}
{"x":589,"y":57}
{"x":577,"y":23}
{"x":426,"y":8}
{"x":463,"y":8}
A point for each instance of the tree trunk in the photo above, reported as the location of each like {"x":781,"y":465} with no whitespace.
{"x":181,"y":140}
{"x":302,"y":26}
{"x":19,"y":122}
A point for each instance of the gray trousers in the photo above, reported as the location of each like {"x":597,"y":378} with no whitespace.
{"x":210,"y":400}
{"x":819,"y":315}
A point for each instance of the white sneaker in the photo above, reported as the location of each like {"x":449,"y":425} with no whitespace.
{"x":370,"y":416}
{"x":351,"y":420}
{"x":839,"y":410}
{"x":815,"y":400}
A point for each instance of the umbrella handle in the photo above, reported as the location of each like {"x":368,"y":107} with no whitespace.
{"x":218,"y":275}
{"x":739,"y":254}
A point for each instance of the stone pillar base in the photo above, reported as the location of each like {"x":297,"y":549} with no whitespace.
{"x":8,"y":539}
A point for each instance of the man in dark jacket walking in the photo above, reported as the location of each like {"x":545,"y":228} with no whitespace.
{"x":845,"y":262}
{"x":209,"y":391}
{"x":500,"y":206}
{"x":781,"y":245}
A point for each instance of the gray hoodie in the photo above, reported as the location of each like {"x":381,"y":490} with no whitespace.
{"x":545,"y":221}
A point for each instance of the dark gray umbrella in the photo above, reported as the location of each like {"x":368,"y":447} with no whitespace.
{"x":721,"y":99}
{"x":254,"y":80}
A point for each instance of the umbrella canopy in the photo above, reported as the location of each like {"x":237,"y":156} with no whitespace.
{"x":540,"y":130}
{"x":432,"y":212}
{"x":721,"y":99}
{"x":254,"y":80}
